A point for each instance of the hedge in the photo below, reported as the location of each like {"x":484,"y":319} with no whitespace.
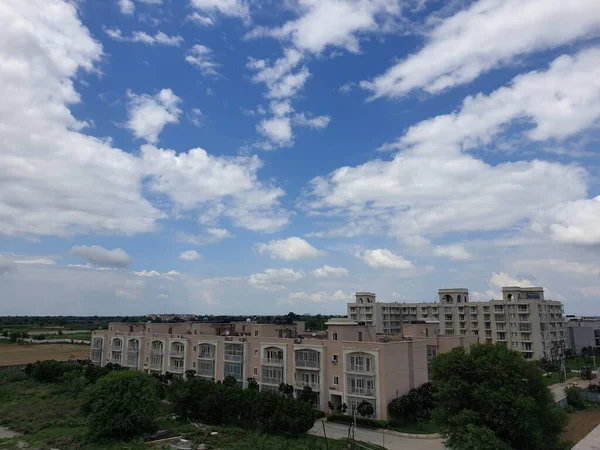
{"x":362,"y":421}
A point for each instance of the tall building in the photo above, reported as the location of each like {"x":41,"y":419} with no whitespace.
{"x":582,"y":332}
{"x":347,"y":364}
{"x":523,"y":319}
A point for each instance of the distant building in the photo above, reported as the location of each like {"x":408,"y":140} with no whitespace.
{"x":171,"y":317}
{"x":523,"y":320}
{"x":582,"y":332}
{"x":348,"y":363}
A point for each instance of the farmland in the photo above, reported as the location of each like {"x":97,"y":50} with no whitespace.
{"x":13,"y":354}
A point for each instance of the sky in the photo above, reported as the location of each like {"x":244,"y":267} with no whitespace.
{"x":267,"y":156}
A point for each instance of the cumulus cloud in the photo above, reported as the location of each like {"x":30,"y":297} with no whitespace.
{"x":321,"y":297}
{"x":434,"y":187}
{"x":201,"y":58}
{"x":100,"y":256}
{"x":289,"y":249}
{"x":211,"y":236}
{"x":190,"y":255}
{"x":272,"y":279}
{"x":452,"y":251}
{"x":127,"y":7}
{"x":330,"y":271}
{"x":148,"y":114}
{"x":279,"y":77}
{"x":473,"y":41}
{"x":385,"y":259}
{"x":199,"y":19}
{"x":153,"y":273}
{"x":232,"y":8}
{"x":159,"y":38}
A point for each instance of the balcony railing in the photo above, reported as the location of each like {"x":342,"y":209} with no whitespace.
{"x":233,"y":358}
{"x":209,"y":356}
{"x":313,"y":386}
{"x":206,"y":373}
{"x":156,"y":366}
{"x":307,"y":363}
{"x":116,"y":348}
{"x":273,"y":361}
{"x":157,"y":351}
{"x":274,"y":381}
{"x":177,"y":353}
{"x":132,"y":362}
{"x":365,"y":392}
{"x":97,"y":344}
{"x":360,"y":369}
{"x":176,"y":369}
{"x":133,"y":353}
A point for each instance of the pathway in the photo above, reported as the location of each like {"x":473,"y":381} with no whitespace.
{"x":558,"y":389}
{"x":388,"y":439}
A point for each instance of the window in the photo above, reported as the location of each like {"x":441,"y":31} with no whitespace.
{"x":194,"y":349}
{"x":334,"y":336}
{"x":255,"y":371}
{"x":170,"y":330}
{"x":336,"y":381}
{"x":256,"y":353}
{"x":196,"y":332}
{"x":360,"y":336}
{"x":334,"y":359}
{"x":194,"y":364}
{"x":131,"y":328}
{"x":255,"y":333}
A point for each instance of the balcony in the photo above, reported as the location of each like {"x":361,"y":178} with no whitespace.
{"x":132,"y":354}
{"x":307,"y":364}
{"x":364,"y":392}
{"x":313,"y":386}
{"x":233,"y":358}
{"x":206,"y":356}
{"x":97,"y":344}
{"x":116,"y":348}
{"x":273,"y":361}
{"x":177,"y":353}
{"x":176,"y":369}
{"x":273,"y":381}
{"x":156,"y":366}
{"x":156,"y":351}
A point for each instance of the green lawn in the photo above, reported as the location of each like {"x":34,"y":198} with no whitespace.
{"x":556,"y":378}
{"x":575,"y":362}
{"x":425,"y":427}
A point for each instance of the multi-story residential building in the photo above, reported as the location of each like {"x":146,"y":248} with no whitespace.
{"x":523,"y":319}
{"x":582,"y":332}
{"x":348,"y":363}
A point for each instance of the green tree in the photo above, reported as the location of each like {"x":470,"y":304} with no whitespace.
{"x":230,"y":381}
{"x":252,"y":384}
{"x":121,"y":405}
{"x":491,"y":390}
{"x":574,"y":397}
{"x":189,"y":374}
{"x":14,"y":336}
{"x":307,"y":395}
{"x":365,"y":409}
{"x":286,"y":389}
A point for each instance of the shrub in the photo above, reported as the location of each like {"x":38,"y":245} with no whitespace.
{"x":40,"y":337}
{"x":586,"y":373}
{"x":121,"y":405}
{"x":12,"y":376}
{"x":418,"y":404}
{"x":575,"y":397}
{"x":286,"y":389}
{"x":252,"y":384}
{"x":319,"y":414}
{"x":14,"y":336}
{"x":594,"y":388}
{"x":365,"y":409}
{"x":361,"y":421}
{"x":49,"y":371}
{"x":230,"y":381}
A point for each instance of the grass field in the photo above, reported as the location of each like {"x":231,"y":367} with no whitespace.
{"x":556,"y":378}
{"x":419,"y":428}
{"x":12,"y":354}
{"x":581,"y":423}
{"x":47,"y":415}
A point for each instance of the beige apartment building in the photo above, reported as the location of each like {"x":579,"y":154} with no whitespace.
{"x":523,"y":319}
{"x":347,"y":364}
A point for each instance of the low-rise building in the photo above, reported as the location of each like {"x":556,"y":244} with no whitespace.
{"x":582,"y":332}
{"x":347,"y":364}
{"x":523,"y":319}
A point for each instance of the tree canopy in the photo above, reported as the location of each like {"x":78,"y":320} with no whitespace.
{"x":490,"y":397}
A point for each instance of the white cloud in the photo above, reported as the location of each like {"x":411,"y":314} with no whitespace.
{"x":61,"y":181}
{"x":212,"y":235}
{"x":452,"y":251}
{"x":330,"y":271}
{"x":574,"y":222}
{"x":43,"y":261}
{"x":337,"y":23}
{"x":216,"y":187}
{"x":100,"y":256}
{"x":148,"y":115}
{"x":190,"y":255}
{"x":153,"y":273}
{"x":302,"y":297}
{"x":232,"y":8}
{"x":279,"y":77}
{"x":7,"y":265}
{"x":278,"y":130}
{"x":200,"y":19}
{"x":383,"y":258}
{"x":127,"y":7}
{"x":496,"y":283}
{"x":559,"y":266}
{"x":432,"y":187}
{"x":289,"y":249}
{"x":195,"y":116}
{"x":159,"y":38}
{"x":272,"y":279}
{"x":347,"y":88}
{"x":489,"y":34}
{"x":201,"y":57}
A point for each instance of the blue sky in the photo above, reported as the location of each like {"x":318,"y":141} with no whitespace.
{"x":257,"y":157}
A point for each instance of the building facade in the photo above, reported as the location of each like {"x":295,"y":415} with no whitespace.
{"x":347,"y":364}
{"x":523,"y":319}
{"x":582,"y":332}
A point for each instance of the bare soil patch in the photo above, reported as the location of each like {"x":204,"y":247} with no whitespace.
{"x":13,"y":354}
{"x":581,"y":423}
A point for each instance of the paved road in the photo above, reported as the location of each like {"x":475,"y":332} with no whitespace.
{"x":558,"y":389}
{"x":389,"y":441}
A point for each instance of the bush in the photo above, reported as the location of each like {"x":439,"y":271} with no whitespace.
{"x":360,"y":421}
{"x":575,"y":397}
{"x":49,"y":371}
{"x":12,"y":376}
{"x":586,"y":373}
{"x":319,"y":414}
{"x":121,"y":405}
{"x":219,"y":404}
{"x":417,"y":405}
{"x":594,"y":388}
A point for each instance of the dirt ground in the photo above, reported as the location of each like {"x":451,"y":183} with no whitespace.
{"x":11,"y":354}
{"x":581,"y":424}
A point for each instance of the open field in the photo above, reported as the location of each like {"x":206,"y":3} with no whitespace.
{"x":581,"y":423}
{"x":12,"y":354}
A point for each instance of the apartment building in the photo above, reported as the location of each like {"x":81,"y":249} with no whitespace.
{"x":582,"y":332}
{"x":523,"y":319}
{"x":347,"y":364}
